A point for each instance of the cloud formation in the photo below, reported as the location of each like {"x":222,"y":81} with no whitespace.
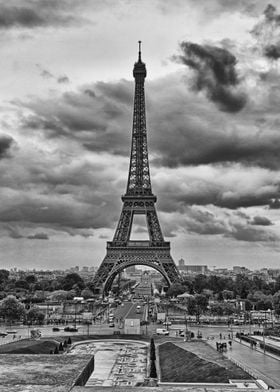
{"x":38,"y":236}
{"x":211,"y":221}
{"x":261,"y":221}
{"x":215,"y":73}
{"x":5,"y":145}
{"x":267,"y":33}
{"x":33,"y":14}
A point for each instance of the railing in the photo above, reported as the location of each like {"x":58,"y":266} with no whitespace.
{"x":138,"y":244}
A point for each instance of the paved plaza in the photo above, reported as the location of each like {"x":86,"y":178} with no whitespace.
{"x":117,"y":363}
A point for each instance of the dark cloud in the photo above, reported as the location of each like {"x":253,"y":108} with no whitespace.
{"x":63,"y":79}
{"x":272,"y":51}
{"x":261,"y":221}
{"x":5,"y":145}
{"x":251,"y":234}
{"x":95,"y":116}
{"x":274,"y":204}
{"x":267,"y":33}
{"x":14,"y":232}
{"x":214,"y":8}
{"x":215,"y":73}
{"x":203,"y":221}
{"x":99,"y":117}
{"x":33,"y":14}
{"x":38,"y":236}
{"x":46,"y":74}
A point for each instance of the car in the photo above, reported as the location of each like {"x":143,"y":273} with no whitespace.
{"x":111,"y":325}
{"x":167,"y":323}
{"x":3,"y":334}
{"x":71,"y":329}
{"x":55,"y":329}
{"x":162,"y":331}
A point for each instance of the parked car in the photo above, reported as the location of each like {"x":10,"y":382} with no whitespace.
{"x":3,"y":334}
{"x":71,"y":329}
{"x":55,"y":329}
{"x":162,"y":331}
{"x":111,"y":325}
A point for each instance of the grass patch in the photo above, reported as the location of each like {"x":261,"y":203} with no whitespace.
{"x":44,"y":345}
{"x":29,"y":347}
{"x":179,"y":365}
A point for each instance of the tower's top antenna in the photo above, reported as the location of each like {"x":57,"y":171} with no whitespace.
{"x":139,"y":53}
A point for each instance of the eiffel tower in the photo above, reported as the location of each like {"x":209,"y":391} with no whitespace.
{"x":138,"y":199}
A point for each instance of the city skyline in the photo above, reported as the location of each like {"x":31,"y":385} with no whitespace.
{"x":212,"y":98}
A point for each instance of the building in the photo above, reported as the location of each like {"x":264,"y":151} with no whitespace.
{"x":193,"y":269}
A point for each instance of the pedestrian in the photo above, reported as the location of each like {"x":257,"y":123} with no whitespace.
{"x":230,"y":344}
{"x":220,"y":335}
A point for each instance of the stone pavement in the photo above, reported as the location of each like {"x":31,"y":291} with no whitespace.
{"x":117,"y":362}
{"x":255,"y":362}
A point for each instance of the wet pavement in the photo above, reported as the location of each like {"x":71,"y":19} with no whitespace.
{"x":117,"y":363}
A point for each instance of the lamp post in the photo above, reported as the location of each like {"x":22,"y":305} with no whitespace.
{"x":75,"y":315}
{"x":264,"y":336}
{"x":186,"y":327}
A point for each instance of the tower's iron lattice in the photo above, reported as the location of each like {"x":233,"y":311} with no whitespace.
{"x":138,"y":199}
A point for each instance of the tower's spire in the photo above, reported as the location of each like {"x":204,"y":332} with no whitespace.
{"x":139,"y":53}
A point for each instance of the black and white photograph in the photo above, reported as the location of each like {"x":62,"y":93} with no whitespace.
{"x":139,"y":195}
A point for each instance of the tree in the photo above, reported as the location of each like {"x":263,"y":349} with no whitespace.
{"x":59,"y":295}
{"x":175,"y":289}
{"x":201,"y":304}
{"x":21,"y":283}
{"x":71,"y":280}
{"x":227,"y":294}
{"x":31,"y":279}
{"x":4,"y":275}
{"x":86,"y":293}
{"x":243,"y":285}
{"x":191,"y":305}
{"x":34,"y":315}
{"x":200,"y":283}
{"x":152,"y":350}
{"x":276,"y":302}
{"x":153,"y":370}
{"x":11,"y":309}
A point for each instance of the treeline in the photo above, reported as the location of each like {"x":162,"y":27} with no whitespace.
{"x":256,"y":292}
{"x":61,"y":288}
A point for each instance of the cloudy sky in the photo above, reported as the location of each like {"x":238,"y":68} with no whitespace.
{"x":66,"y":101}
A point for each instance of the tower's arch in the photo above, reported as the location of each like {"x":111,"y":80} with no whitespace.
{"x":122,"y":266}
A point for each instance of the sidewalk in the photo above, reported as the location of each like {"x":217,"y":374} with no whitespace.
{"x":277,"y":357}
{"x":257,"y":363}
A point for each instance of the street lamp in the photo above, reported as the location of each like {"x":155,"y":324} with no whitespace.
{"x":186,"y":327}
{"x":75,"y":315}
{"x":264,"y":336}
